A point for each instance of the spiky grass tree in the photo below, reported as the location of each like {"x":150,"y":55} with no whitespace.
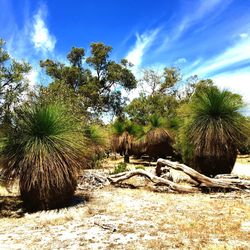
{"x":97,"y":142}
{"x":158,"y":140}
{"x":124,"y":133}
{"x":214,"y":129}
{"x":45,"y":152}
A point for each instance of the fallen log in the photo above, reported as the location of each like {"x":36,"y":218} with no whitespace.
{"x":155,"y":179}
{"x":200,"y":182}
{"x":204,"y":181}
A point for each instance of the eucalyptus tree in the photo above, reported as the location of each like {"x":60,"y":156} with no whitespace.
{"x":13,"y":84}
{"x":95,"y":80}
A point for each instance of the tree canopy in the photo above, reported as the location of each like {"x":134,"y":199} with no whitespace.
{"x":96,"y":80}
{"x":13,"y":84}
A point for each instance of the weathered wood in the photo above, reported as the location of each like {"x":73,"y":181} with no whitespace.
{"x":204,"y":181}
{"x":200,"y":181}
{"x":155,"y":179}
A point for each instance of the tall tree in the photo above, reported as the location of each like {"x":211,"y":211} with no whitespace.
{"x":158,"y":96}
{"x":13,"y":84}
{"x":99,"y":89}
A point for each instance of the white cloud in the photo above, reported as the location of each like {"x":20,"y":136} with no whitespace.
{"x":41,"y":37}
{"x":237,"y":53}
{"x":32,"y":76}
{"x":207,"y":6}
{"x":202,"y":9}
{"x":243,"y":35}
{"x":180,"y":61}
{"x":237,"y":82}
{"x":143,"y":43}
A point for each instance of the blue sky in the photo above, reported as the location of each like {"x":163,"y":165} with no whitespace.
{"x":210,"y":38}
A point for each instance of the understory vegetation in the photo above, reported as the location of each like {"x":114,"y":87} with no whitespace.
{"x":50,"y":134}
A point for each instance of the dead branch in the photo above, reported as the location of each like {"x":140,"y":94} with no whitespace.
{"x":204,"y":181}
{"x":155,"y":179}
{"x":200,"y":181}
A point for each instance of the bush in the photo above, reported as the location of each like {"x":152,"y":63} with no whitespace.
{"x":212,"y":131}
{"x":45,"y":151}
{"x":121,"y":167}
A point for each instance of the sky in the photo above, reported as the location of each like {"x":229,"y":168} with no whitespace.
{"x":208,"y":38}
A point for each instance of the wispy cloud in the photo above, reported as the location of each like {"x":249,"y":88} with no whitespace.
{"x":237,"y":81}
{"x":243,"y":35}
{"x":143,"y":43}
{"x":32,"y":41}
{"x":203,"y":8}
{"x":237,"y":53}
{"x":40,"y":36}
{"x":32,"y":76}
{"x":190,"y":18}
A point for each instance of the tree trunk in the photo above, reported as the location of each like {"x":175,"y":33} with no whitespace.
{"x":126,"y":158}
{"x":126,"y":154}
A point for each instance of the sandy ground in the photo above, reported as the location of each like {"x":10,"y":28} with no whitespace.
{"x":116,"y":218}
{"x":242,"y":169}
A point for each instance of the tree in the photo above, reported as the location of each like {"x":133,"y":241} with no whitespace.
{"x":142,"y":108}
{"x":100,"y":89}
{"x":60,"y":94}
{"x":124,"y":132}
{"x":13,"y":84}
{"x":44,"y":152}
{"x":213,"y":130}
{"x":158,"y":96}
{"x":158,"y":140}
{"x":97,"y":143}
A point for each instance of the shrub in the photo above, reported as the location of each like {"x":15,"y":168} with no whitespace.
{"x":45,"y":152}
{"x":213,"y":129}
{"x":121,"y":167}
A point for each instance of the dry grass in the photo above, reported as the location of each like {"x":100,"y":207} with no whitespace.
{"x":116,"y":218}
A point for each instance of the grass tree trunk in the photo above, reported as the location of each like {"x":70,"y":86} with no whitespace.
{"x":126,"y":154}
{"x":54,"y":197}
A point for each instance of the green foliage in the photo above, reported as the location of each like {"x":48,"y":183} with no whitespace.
{"x":13,"y":84}
{"x":76,"y":56}
{"x":97,"y":142}
{"x":171,"y":77}
{"x":124,"y":133}
{"x":212,"y":125}
{"x":45,"y":152}
{"x":60,"y":94}
{"x":96,"y":134}
{"x":140,"y":167}
{"x":156,"y":121}
{"x":245,"y":146}
{"x":96,"y":92}
{"x":142,"y":108}
{"x":121,"y":126}
{"x":120,"y":168}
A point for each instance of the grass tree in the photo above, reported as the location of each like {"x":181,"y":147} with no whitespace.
{"x":158,"y":140}
{"x":97,"y":143}
{"x":45,"y":153}
{"x":213,"y":130}
{"x":124,"y":133}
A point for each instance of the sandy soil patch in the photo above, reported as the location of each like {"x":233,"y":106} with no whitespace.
{"x":117,"y":218}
